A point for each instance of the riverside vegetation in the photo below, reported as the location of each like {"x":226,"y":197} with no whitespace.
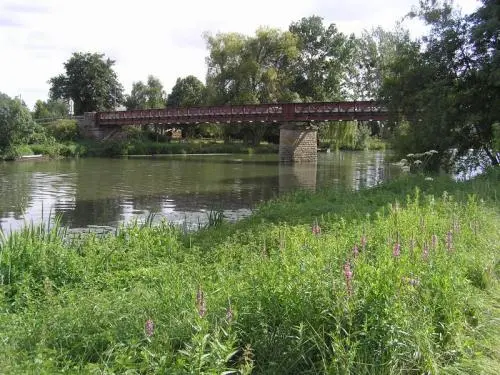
{"x":397,"y":279}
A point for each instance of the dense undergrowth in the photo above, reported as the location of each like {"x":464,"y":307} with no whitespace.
{"x":398,"y":279}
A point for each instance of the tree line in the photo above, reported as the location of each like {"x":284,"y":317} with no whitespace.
{"x":442,"y":89}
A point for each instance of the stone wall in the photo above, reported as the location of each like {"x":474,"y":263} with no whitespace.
{"x":88,"y":129}
{"x":298,"y":144}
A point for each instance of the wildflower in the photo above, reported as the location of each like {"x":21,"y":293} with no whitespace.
{"x":428,"y":179}
{"x":449,"y":240}
{"x":417,"y":162}
{"x":316,"y":229}
{"x":149,"y":327}
{"x":425,"y":253}
{"x":348,"y":277}
{"x":396,"y":250}
{"x":363,"y":242}
{"x":434,"y":240}
{"x":200,"y":303}
{"x":355,"y":250}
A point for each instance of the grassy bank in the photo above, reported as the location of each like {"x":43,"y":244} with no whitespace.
{"x":402,"y":279}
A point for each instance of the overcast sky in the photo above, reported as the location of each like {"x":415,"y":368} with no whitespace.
{"x":159,"y":37}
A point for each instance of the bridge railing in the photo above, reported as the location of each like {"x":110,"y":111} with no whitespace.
{"x":229,"y":113}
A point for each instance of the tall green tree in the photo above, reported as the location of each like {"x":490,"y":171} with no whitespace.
{"x":324,"y":56}
{"x":447,"y":91}
{"x":16,"y":123}
{"x":371,"y":58}
{"x":251,"y":69}
{"x":146,"y":95}
{"x":50,"y":109}
{"x":187,"y":91}
{"x":90,"y":81}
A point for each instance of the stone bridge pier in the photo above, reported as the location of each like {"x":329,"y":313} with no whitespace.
{"x":298,"y":143}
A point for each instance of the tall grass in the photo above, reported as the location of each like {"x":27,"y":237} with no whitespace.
{"x":398,"y":279}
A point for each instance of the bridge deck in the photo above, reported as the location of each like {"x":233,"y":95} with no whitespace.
{"x":263,"y":113}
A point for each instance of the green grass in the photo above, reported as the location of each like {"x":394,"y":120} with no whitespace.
{"x":268,"y":295}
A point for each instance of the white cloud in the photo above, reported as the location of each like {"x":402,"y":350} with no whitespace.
{"x":163,"y":38}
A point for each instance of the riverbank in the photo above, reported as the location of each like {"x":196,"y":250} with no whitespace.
{"x":402,"y":278}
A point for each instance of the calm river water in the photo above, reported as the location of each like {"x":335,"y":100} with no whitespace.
{"x":103,"y":193}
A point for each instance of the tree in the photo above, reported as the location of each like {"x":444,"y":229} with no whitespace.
{"x":90,"y":82}
{"x":50,"y":109}
{"x":188,"y":91}
{"x":449,"y":90}
{"x":372,"y":55}
{"x":145,"y":96}
{"x":324,"y":55}
{"x":250,"y":69}
{"x":16,"y":124}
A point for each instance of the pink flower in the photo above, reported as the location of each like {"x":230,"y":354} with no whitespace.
{"x":200,"y":303}
{"x":425,"y":253}
{"x":316,"y":229}
{"x":355,"y":250}
{"x":149,"y":327}
{"x":434,"y":241}
{"x":396,"y":250}
{"x":363,"y":242}
{"x":348,"y":277}
{"x":449,"y":240}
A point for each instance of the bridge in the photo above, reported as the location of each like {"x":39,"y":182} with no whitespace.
{"x":297,"y":136}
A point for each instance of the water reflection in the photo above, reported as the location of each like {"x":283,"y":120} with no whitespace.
{"x":106,"y":192}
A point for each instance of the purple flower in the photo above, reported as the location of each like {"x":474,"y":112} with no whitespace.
{"x":396,"y":250}
{"x":425,"y":252}
{"x":200,"y":303}
{"x":355,"y":250}
{"x":434,"y":241}
{"x":363,"y":242}
{"x":316,"y":229}
{"x":449,"y":240}
{"x":149,"y":327}
{"x":348,"y":276}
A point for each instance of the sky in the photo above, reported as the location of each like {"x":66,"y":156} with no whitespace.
{"x":159,"y":37}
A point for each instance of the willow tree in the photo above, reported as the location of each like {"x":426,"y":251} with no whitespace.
{"x":249,"y":70}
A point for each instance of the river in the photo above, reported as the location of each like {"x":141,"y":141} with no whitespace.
{"x":103,"y":193}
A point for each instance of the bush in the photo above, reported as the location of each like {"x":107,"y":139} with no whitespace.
{"x":63,"y":130}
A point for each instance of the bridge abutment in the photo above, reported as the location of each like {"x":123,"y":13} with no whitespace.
{"x":89,"y":129}
{"x":298,"y":143}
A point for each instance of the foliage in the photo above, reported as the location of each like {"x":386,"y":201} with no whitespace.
{"x":187,"y":92}
{"x":51,"y":109}
{"x":250,"y":69}
{"x":16,"y":124}
{"x":63,"y":130}
{"x":90,"y":81}
{"x":148,"y":95}
{"x":347,"y":135}
{"x":331,"y":282}
{"x":448,"y":92}
{"x":324,"y":56}
{"x":373,"y":54}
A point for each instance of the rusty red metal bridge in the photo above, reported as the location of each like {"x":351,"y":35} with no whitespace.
{"x":251,"y":113}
